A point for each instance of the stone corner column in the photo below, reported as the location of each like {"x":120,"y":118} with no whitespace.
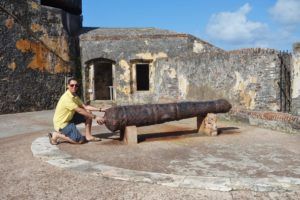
{"x":295,"y":79}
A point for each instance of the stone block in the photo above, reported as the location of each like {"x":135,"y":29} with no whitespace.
{"x":207,"y":124}
{"x":130,"y":135}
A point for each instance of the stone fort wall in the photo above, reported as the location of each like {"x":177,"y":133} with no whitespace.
{"x":248,"y":78}
{"x":123,"y":46}
{"x":39,"y":49}
{"x":36,"y":53}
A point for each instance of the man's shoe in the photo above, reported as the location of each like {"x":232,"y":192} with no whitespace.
{"x":94,"y":139}
{"x":51,"y":140}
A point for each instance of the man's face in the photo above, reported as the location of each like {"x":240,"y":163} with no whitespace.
{"x":73,"y":86}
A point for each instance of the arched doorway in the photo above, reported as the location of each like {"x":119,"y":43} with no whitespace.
{"x":101,"y":73}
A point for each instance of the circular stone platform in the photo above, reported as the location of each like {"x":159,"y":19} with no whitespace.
{"x":241,"y":157}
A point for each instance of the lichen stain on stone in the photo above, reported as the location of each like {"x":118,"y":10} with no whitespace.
{"x":198,"y":47}
{"x":154,"y":56}
{"x":36,"y":27}
{"x":296,"y":78}
{"x":23,"y":45}
{"x":172,"y":73}
{"x":183,"y":86}
{"x":61,"y":68}
{"x":247,"y":97}
{"x":59,"y":45}
{"x":272,"y":65}
{"x":9,"y":23}
{"x":12,"y":66}
{"x":151,"y":77}
{"x":124,"y":64}
{"x":34,"y":5}
{"x":126,"y":74}
{"x":40,"y":60}
{"x":125,"y":90}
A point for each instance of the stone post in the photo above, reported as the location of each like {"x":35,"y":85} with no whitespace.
{"x":130,"y":135}
{"x":207,"y":124}
{"x":295,"y":79}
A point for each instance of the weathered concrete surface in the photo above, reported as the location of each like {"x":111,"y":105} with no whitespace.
{"x":28,"y":122}
{"x":21,"y":123}
{"x":238,"y":151}
{"x":26,"y":177}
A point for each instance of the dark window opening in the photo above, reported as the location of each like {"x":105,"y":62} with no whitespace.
{"x":103,"y":80}
{"x":142,"y":77}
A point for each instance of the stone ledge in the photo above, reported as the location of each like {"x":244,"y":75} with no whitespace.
{"x":267,"y":119}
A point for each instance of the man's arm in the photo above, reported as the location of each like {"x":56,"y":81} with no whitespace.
{"x":82,"y":111}
{"x":85,"y":113}
{"x":92,"y":108}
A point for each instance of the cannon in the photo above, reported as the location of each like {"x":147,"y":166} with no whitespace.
{"x":117,"y":118}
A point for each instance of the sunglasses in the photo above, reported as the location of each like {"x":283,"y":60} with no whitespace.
{"x":72,"y":85}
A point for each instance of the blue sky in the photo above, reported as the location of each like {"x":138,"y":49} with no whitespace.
{"x":228,"y":24}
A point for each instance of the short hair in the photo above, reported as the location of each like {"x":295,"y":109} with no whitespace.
{"x":71,"y":79}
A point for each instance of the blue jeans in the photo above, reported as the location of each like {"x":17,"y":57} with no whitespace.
{"x":71,"y":131}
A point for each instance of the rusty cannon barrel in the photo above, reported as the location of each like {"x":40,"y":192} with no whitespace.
{"x":117,"y":118}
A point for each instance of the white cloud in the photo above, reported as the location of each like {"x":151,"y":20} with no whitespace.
{"x":235,"y":28}
{"x":287,"y":12}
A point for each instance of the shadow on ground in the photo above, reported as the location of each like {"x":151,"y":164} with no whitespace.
{"x":172,"y":135}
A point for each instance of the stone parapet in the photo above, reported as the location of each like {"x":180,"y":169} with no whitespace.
{"x":273,"y":120}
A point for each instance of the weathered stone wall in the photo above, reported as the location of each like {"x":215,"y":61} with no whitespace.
{"x":295,"y":76}
{"x":118,"y":44}
{"x":247,"y":78}
{"x":125,"y":45}
{"x":36,"y":53}
{"x":183,"y":67}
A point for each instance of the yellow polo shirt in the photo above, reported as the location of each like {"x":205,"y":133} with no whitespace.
{"x":65,"y":110}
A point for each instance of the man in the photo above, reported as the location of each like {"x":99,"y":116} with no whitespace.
{"x":70,"y":110}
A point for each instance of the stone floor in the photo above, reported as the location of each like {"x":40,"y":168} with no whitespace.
{"x":171,"y":159}
{"x":239,"y":150}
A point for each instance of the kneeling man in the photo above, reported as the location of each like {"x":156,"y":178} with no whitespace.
{"x":70,"y":110}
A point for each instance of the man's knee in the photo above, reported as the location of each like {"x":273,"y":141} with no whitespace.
{"x":87,"y":119}
{"x":78,"y":119}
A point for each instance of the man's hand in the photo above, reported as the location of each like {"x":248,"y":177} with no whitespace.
{"x":100,"y":120}
{"x":103,"y":109}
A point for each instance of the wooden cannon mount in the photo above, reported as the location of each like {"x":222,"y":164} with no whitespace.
{"x":128,"y":118}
